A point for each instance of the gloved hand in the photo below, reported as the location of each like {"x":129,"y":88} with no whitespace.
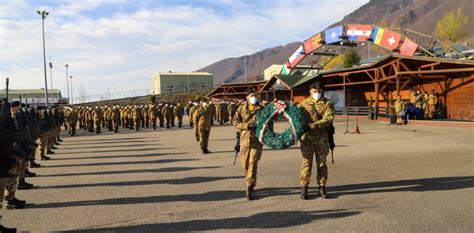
{"x":251,"y":126}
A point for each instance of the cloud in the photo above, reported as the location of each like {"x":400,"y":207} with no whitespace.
{"x":107,"y":46}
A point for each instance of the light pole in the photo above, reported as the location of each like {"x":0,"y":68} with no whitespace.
{"x":43,"y":15}
{"x":67,"y":84}
{"x":72,"y":96}
{"x":51,"y":77}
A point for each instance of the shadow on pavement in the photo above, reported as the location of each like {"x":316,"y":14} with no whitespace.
{"x":111,"y":139}
{"x":157,"y":170}
{"x":417,"y":185}
{"x":121,"y":156}
{"x":109,"y":151}
{"x":183,"y":181}
{"x":266,"y":220}
{"x":79,"y":143}
{"x":103,"y":145}
{"x":122,"y":163}
{"x":200,"y":197}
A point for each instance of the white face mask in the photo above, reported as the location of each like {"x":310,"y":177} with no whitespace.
{"x":316,"y":95}
{"x":253,"y":100}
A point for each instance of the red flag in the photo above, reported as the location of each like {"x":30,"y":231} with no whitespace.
{"x":408,"y":47}
{"x":358,"y":32}
{"x":312,"y":43}
{"x":390,"y":40}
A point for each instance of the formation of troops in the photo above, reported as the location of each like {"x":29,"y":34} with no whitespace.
{"x":427,"y":102}
{"x":26,"y":134}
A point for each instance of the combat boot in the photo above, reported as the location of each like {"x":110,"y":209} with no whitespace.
{"x":304,"y":193}
{"x":56,"y":143}
{"x":322,"y":192}
{"x":50,"y":152}
{"x":15,"y":204}
{"x":30,"y":174}
{"x":22,"y":184}
{"x":206,"y":151}
{"x":7,"y":230}
{"x":53,"y":147}
{"x":249,"y":193}
{"x":44,"y":157}
{"x":33,"y":164}
{"x":60,"y":140}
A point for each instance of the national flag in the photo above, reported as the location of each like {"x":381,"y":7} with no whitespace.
{"x":377,"y":35}
{"x":390,"y":40}
{"x":296,"y":57}
{"x":285,"y":70}
{"x":333,"y":35}
{"x":313,"y":43}
{"x":408,"y":47}
{"x":358,"y":32}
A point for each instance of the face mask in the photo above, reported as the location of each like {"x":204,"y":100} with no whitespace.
{"x":316,"y":95}
{"x":253,"y":100}
{"x":204,"y":104}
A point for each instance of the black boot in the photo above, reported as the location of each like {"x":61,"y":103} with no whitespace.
{"x":249,"y":193}
{"x":53,"y":147}
{"x":49,"y":152}
{"x":56,"y":143}
{"x":30,"y":174}
{"x":7,"y":230}
{"x":22,"y":185}
{"x":304,"y":193}
{"x":60,"y":140}
{"x":322,"y":192}
{"x":15,"y":204}
{"x":44,"y":157}
{"x":33,"y":164}
{"x":206,"y":151}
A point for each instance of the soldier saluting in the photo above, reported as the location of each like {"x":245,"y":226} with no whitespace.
{"x":314,"y":142}
{"x":250,"y":148}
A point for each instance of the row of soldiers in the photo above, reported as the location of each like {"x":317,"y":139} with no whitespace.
{"x":95,"y":118}
{"x":25,"y":135}
{"x":425,"y":101}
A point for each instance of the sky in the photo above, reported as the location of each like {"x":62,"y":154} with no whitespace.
{"x":116,"y":45}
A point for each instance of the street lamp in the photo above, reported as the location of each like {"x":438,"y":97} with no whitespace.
{"x":72,"y":96}
{"x":43,"y":15}
{"x":67,"y":84}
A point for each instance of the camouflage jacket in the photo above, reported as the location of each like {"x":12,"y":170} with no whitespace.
{"x":242,"y":118}
{"x":320,"y":115}
{"x":202,"y":117}
{"x":178,"y":110}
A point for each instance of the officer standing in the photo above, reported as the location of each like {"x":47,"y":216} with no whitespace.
{"x":250,"y":147}
{"x":399,"y":108}
{"x":179,"y":112}
{"x":432,"y":101}
{"x":152,"y":115}
{"x":314,"y":142}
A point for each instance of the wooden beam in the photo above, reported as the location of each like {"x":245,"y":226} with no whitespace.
{"x":432,"y":65}
{"x":436,"y":71}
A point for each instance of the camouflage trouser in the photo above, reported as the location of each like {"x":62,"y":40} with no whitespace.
{"x":180,"y":121}
{"x":23,"y":166}
{"x":43,"y":143}
{"x":116,"y":125}
{"x":98,"y":126}
{"x":310,"y":150}
{"x":10,"y":187}
{"x":152,"y":122}
{"x":190,"y":121}
{"x":399,"y":118}
{"x":168,"y":122}
{"x":431,"y":110}
{"x":204,"y":137}
{"x":196,"y":133}
{"x":137,"y":122}
{"x":3,"y":185}
{"x":161,"y":120}
{"x":249,"y":158}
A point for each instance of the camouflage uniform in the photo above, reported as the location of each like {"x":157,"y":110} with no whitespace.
{"x":399,"y":108}
{"x":231,"y":109}
{"x":115,"y":118}
{"x":191,"y":119}
{"x":152,"y":115}
{"x":145,"y":117}
{"x":97,"y":118}
{"x":250,"y":147}
{"x":161,"y":117}
{"x":432,"y":101}
{"x":202,"y":119}
{"x":136,"y":116}
{"x":179,"y":112}
{"x":314,"y":142}
{"x":71,"y":120}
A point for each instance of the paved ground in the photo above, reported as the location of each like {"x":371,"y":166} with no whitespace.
{"x":386,"y":179}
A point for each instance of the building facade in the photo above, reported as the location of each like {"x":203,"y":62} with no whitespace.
{"x":171,"y":82}
{"x":35,"y":97}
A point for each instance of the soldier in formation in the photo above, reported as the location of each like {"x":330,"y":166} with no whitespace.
{"x":202,"y":118}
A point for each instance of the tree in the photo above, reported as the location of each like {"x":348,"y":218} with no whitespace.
{"x":451,"y":28}
{"x":345,"y":60}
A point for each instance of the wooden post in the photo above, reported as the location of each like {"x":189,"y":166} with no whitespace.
{"x":377,"y":74}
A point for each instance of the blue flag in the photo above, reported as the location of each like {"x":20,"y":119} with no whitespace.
{"x":333,"y":35}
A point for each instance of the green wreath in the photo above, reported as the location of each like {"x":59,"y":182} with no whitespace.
{"x":269,"y":114}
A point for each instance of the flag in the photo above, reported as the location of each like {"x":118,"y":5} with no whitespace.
{"x":285,"y":70}
{"x":296,"y":57}
{"x":358,"y":32}
{"x":390,"y":40}
{"x":377,"y":35}
{"x":333,"y":35}
{"x":313,"y":43}
{"x":408,"y":47}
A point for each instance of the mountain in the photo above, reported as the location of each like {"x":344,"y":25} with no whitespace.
{"x":417,"y":15}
